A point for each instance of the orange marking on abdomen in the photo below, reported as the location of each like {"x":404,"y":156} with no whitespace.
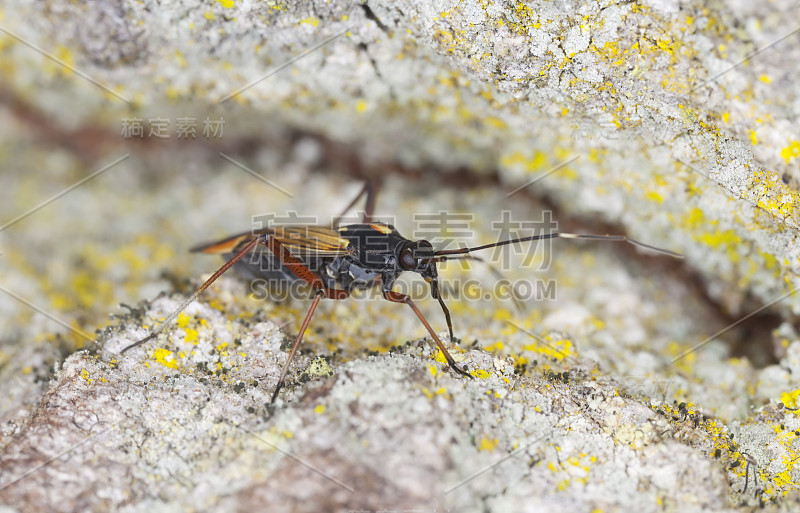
{"x":293,"y":263}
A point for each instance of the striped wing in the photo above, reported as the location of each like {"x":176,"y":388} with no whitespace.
{"x":301,"y":241}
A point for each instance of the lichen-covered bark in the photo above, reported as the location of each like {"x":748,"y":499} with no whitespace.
{"x":675,"y":123}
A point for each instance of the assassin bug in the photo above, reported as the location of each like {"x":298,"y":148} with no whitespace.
{"x":336,"y":260}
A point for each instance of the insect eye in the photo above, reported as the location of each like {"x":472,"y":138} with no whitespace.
{"x":407,"y":260}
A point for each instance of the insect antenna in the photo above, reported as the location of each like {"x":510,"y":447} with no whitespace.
{"x":559,"y":235}
{"x":171,"y":317}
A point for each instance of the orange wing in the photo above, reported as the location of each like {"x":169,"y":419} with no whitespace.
{"x":300,"y":240}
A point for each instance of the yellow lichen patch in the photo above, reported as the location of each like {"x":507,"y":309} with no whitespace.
{"x":63,"y":54}
{"x":216,"y":304}
{"x":791,"y":151}
{"x":320,"y":408}
{"x":686,"y":361}
{"x":180,"y":58}
{"x":191,"y":336}
{"x":88,"y":289}
{"x":517,"y":160}
{"x":165,"y":358}
{"x":575,"y":467}
{"x":182,"y":320}
{"x":779,"y":478}
{"x":772,"y":195}
{"x":227,"y":3}
{"x":654,"y":196}
{"x":174,"y":93}
{"x":719,"y":238}
{"x":790,"y":398}
{"x":310,"y":21}
{"x":487,"y":445}
{"x":723,"y":446}
{"x":694,"y":218}
{"x":497,"y":346}
{"x":770,"y":262}
{"x":480,"y":373}
{"x":209,"y":15}
{"x":495,"y":122}
{"x":501,"y":314}
{"x":558,"y":349}
{"x":509,"y":329}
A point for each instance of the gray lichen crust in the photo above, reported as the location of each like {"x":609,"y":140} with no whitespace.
{"x":187,"y":425}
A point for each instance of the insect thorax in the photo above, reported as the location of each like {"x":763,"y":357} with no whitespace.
{"x":347,"y":273}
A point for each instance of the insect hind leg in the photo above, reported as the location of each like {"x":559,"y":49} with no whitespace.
{"x":370,"y":190}
{"x":297,"y":340}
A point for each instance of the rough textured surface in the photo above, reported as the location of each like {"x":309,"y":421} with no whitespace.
{"x":677,"y":125}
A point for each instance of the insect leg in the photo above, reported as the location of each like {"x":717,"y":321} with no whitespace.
{"x":302,"y":271}
{"x":171,"y":317}
{"x":750,"y":461}
{"x":396,"y":297}
{"x":370,"y":190}
{"x":297,"y":340}
{"x":446,"y":315}
{"x":746,"y":476}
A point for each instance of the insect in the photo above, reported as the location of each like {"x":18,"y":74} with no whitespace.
{"x":336,"y":260}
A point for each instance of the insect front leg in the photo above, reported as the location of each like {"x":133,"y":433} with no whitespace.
{"x":396,"y":297}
